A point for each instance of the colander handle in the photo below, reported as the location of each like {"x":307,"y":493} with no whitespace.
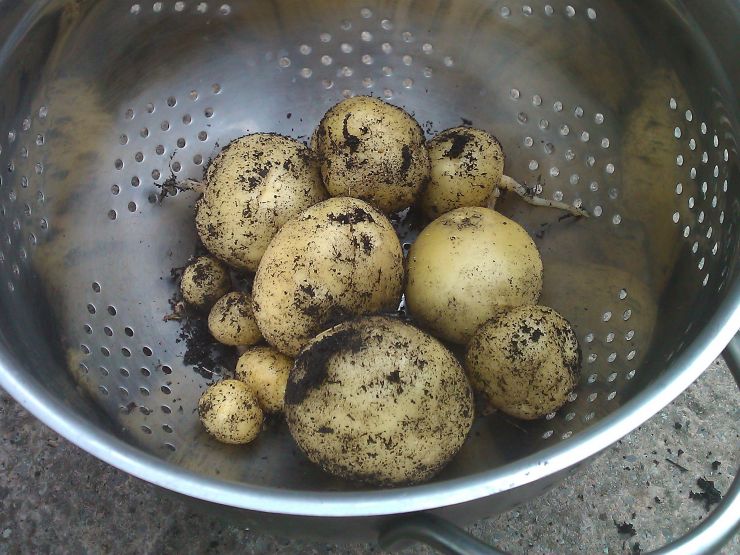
{"x":705,"y":539}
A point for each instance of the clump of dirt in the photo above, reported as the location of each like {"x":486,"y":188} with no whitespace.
{"x":168,"y":188}
{"x":207,"y":356}
{"x":312,"y":364}
{"x":709,"y":494}
{"x":626,"y":528}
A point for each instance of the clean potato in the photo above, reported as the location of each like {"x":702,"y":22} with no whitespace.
{"x":378,"y":401}
{"x":265,"y":371}
{"x":337,"y":260}
{"x":204,"y":282}
{"x":526,"y":362}
{"x":230,"y":412}
{"x":255,"y":184}
{"x":231,"y":320}
{"x":467,"y":266}
{"x":467,"y":165}
{"x":374,"y":151}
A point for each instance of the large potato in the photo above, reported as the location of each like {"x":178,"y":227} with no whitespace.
{"x":337,"y":260}
{"x":526,"y":362}
{"x":255,"y":185}
{"x":467,"y":164}
{"x":373,"y":151}
{"x":467,"y":266}
{"x":378,"y":401}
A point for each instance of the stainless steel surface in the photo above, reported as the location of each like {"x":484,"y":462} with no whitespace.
{"x":622,"y":107}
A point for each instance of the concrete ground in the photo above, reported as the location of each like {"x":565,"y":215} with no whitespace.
{"x":54,"y":498}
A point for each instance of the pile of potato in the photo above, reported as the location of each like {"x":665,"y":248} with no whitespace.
{"x":367,"y":394}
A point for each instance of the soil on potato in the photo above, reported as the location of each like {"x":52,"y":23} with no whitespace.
{"x":207,"y":356}
{"x":203,"y":353}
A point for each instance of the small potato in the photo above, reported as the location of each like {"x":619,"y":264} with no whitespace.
{"x":374,"y":151}
{"x":231,"y":321}
{"x":467,"y":164}
{"x":255,"y":185}
{"x":526,"y":362}
{"x":204,"y":282}
{"x":378,"y":401}
{"x":230,"y":412}
{"x":467,"y":266}
{"x":336,"y":261}
{"x":265,"y":371}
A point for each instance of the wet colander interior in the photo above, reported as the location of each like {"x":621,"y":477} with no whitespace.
{"x":620,"y":107}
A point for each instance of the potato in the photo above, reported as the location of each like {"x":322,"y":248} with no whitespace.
{"x":338,"y":260}
{"x":255,"y":185}
{"x":467,"y":266}
{"x":231,"y":320}
{"x":378,"y":401}
{"x":204,"y":282}
{"x":467,"y":164}
{"x":265,"y":371}
{"x":526,"y":362}
{"x":373,"y":151}
{"x":230,"y":412}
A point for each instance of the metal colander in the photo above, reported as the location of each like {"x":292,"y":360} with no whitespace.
{"x":624,"y":108}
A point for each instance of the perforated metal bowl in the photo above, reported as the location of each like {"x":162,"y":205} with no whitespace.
{"x":628,"y":109}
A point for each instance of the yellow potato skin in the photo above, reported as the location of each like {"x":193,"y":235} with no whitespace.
{"x":265,"y":371}
{"x":338,"y":260}
{"x":467,"y":266}
{"x":374,"y":151}
{"x":526,"y":362}
{"x":204,"y":282}
{"x":467,"y":164}
{"x":231,"y":320}
{"x":229,"y":412}
{"x":378,"y":401}
{"x":254,"y":185}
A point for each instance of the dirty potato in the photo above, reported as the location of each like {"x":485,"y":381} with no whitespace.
{"x":204,"y":282}
{"x":229,"y":412}
{"x":231,"y":321}
{"x":374,"y":151}
{"x":266,"y":371}
{"x":378,"y":401}
{"x":337,"y":260}
{"x":526,"y":362}
{"x":254,"y":185}
{"x":467,"y":165}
